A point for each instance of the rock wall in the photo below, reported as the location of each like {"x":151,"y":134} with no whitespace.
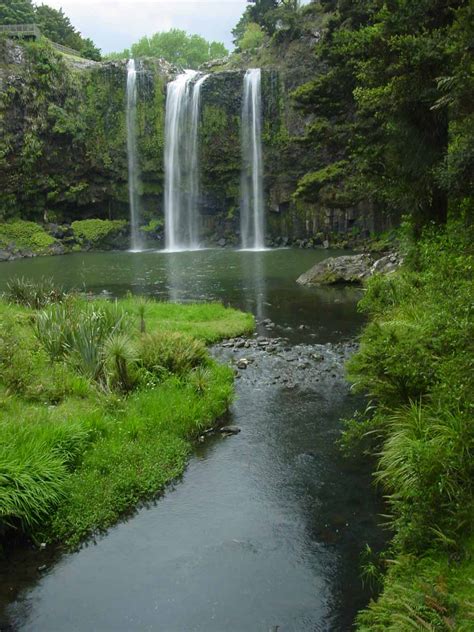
{"x":63,"y":144}
{"x":63,"y":134}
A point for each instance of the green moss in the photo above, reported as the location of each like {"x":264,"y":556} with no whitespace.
{"x":26,"y":236}
{"x":96,"y":231}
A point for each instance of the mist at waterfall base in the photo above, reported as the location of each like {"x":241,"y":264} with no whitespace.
{"x":252,"y":221}
{"x":136,"y":244}
{"x":182,"y":182}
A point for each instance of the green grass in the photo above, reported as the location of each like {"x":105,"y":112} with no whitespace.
{"x":77,"y":452}
{"x":433,"y":592}
{"x":208,"y":322}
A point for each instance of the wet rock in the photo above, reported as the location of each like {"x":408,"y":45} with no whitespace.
{"x":387,"y":264}
{"x":5,"y":255}
{"x":243,"y":363}
{"x":230,"y":430}
{"x":334,"y":270}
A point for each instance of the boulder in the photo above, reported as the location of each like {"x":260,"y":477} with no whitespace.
{"x":334,"y":270}
{"x":387,"y":264}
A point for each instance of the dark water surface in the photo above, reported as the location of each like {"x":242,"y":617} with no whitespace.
{"x":266,"y":528}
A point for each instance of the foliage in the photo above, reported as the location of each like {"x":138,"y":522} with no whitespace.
{"x":65,"y":158}
{"x":177,"y":47}
{"x":35,"y":295}
{"x":252,"y":37}
{"x":53,"y":23}
{"x":17,"y":12}
{"x":56,"y":26}
{"x":96,"y":231}
{"x":432,"y":592}
{"x":25,"y":236}
{"x":171,"y":351}
{"x":395,"y":92}
{"x":74,"y":457}
{"x":416,"y":363}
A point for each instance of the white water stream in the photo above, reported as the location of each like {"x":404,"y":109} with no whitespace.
{"x":133,"y":170}
{"x":182,"y":162}
{"x":252,"y":220}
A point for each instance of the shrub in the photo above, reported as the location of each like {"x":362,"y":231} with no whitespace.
{"x":252,"y":38}
{"x":119,"y":357}
{"x":416,"y":362}
{"x":96,"y":231}
{"x":172,"y":351}
{"x":26,"y":236}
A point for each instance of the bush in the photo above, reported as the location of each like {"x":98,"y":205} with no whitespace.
{"x":416,"y":361}
{"x":26,"y":236}
{"x":252,"y":38}
{"x":96,"y":231}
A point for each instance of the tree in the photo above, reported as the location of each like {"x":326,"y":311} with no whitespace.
{"x":378,"y":101}
{"x":252,"y":38}
{"x":177,"y":47}
{"x":17,"y":12}
{"x":57,"y":27}
{"x":270,"y":15}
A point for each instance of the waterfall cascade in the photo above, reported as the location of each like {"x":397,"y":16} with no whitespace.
{"x":133,"y":173}
{"x":182,"y":161}
{"x":252,"y":220}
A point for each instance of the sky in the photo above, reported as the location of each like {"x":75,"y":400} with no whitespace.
{"x":116,"y":24}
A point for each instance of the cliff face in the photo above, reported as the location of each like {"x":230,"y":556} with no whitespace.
{"x":63,"y":140}
{"x":63,"y":134}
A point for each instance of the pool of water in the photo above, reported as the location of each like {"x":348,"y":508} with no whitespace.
{"x":265,"y":529}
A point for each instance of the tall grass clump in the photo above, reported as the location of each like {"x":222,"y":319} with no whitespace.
{"x":34,"y":294}
{"x":174,"y":352}
{"x":78,"y":331}
{"x":416,"y":361}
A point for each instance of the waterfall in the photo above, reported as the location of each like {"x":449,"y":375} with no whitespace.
{"x":252,"y":221}
{"x":182,"y":161}
{"x":135,"y":240}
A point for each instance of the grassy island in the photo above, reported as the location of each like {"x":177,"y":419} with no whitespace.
{"x":99,"y":403}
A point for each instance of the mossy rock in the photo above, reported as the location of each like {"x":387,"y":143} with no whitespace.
{"x":97,"y":233}
{"x":25,"y":235}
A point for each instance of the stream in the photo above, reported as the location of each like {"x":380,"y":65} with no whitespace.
{"x":265,"y":530}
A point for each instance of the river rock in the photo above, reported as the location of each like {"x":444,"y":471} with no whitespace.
{"x":243,"y":363}
{"x":334,"y":270}
{"x":230,"y":430}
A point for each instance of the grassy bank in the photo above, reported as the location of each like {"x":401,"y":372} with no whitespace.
{"x":416,"y":362}
{"x":99,"y":404}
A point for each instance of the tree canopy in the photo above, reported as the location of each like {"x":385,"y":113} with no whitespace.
{"x":177,"y":47}
{"x":392,"y":107}
{"x":270,"y":15}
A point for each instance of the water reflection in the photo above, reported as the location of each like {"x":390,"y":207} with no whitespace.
{"x":254,"y":280}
